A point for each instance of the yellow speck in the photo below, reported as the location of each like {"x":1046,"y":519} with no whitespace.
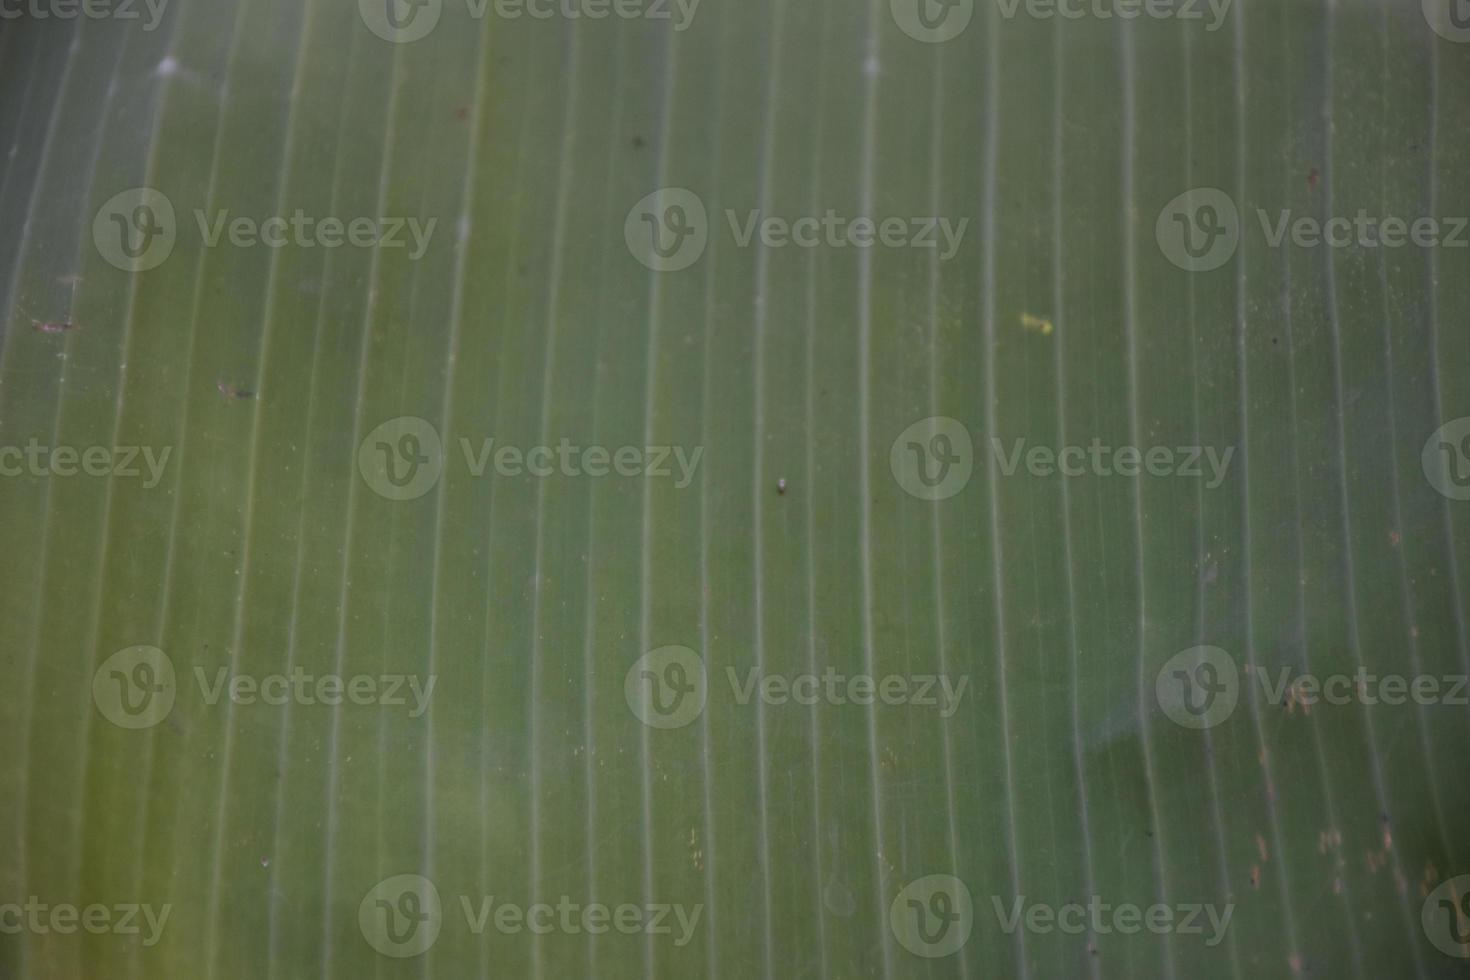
{"x":1039,"y":324}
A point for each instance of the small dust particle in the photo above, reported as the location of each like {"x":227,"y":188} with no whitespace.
{"x":1041,"y":325}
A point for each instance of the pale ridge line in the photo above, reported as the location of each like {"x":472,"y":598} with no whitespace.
{"x":267,"y":306}
{"x":122,"y":377}
{"x":1405,"y":592}
{"x":865,"y":330}
{"x":1350,"y":566}
{"x":589,"y":602}
{"x":997,"y":554}
{"x":7,"y":165}
{"x":650,"y":388}
{"x":511,"y":253}
{"x":553,"y":315}
{"x":1436,"y":390}
{"x":47,"y":144}
{"x":809,"y":479}
{"x":762,"y":283}
{"x":1130,"y":127}
{"x":1094,"y":965}
{"x":1199,"y":492}
{"x":21,"y":806}
{"x":712,"y":962}
{"x":10,"y":168}
{"x":370,"y":290}
{"x":1283,"y":884}
{"x":1353,"y":945}
{"x":283,"y":743}
{"x":456,"y":318}
{"x":936,"y":175}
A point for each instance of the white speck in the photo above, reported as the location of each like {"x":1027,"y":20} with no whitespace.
{"x":168,"y":66}
{"x":870,"y":67}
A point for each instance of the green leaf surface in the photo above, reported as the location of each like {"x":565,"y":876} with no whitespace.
{"x":245,"y":526}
